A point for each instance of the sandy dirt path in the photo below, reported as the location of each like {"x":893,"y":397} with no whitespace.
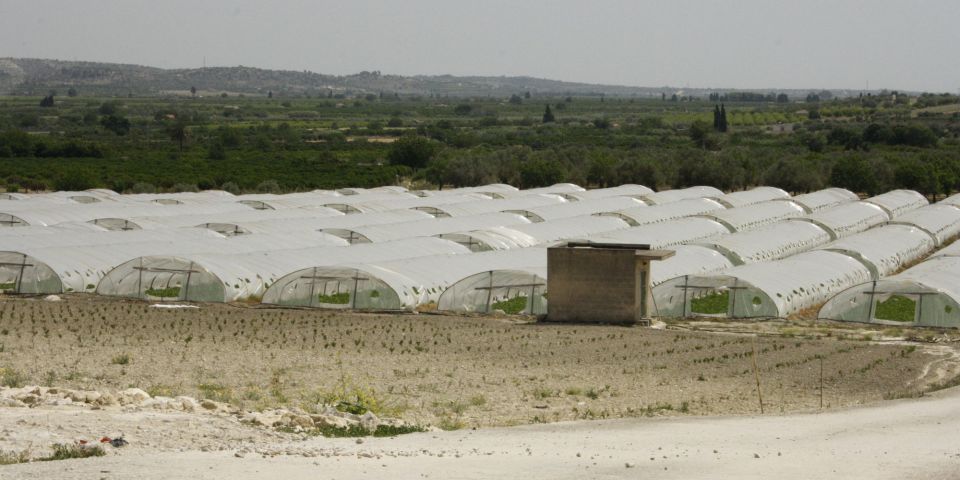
{"x":918,"y":438}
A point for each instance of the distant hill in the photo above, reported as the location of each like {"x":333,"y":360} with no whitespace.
{"x":31,"y":76}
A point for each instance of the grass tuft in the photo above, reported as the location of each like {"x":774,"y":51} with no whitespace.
{"x":62,"y":451}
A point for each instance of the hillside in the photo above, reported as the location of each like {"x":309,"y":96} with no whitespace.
{"x":31,"y":76}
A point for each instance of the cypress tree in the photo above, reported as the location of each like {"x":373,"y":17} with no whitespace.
{"x":548,"y":115}
{"x":723,"y":119}
{"x":716,"y":117}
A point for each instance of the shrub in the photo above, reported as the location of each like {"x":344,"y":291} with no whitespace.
{"x":12,"y":378}
{"x":63,"y":451}
{"x":122,"y":359}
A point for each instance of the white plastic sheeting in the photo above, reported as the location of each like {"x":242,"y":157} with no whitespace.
{"x":239,"y":217}
{"x":784,"y":287}
{"x":940,"y":221}
{"x":399,"y":284}
{"x":666,"y":234}
{"x":953,"y":250}
{"x":897,"y":202}
{"x":227,"y":277}
{"x":772,"y":242}
{"x":951,"y":200}
{"x":318,"y":198}
{"x":310,"y":223}
{"x":669,"y":276}
{"x":772,"y":289}
{"x":627,"y":190}
{"x":669,"y":196}
{"x":577,"y":208}
{"x":487,"y":190}
{"x":885,"y":249}
{"x":28,"y":213}
{"x":638,"y":216}
{"x":382,"y":203}
{"x":752,"y":196}
{"x":80,"y":267}
{"x":544,"y":233}
{"x":848,"y":219}
{"x":556,"y":188}
{"x":40,"y":269}
{"x":824,"y":199}
{"x":426,"y":227}
{"x":757,"y":215}
{"x":65,"y":237}
{"x":513,"y":290}
{"x":523,"y":202}
{"x":687,"y":260}
{"x":927,"y":294}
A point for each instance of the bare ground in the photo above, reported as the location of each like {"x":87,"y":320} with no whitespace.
{"x":460,"y":372}
{"x":454,"y":371}
{"x":916,"y":439}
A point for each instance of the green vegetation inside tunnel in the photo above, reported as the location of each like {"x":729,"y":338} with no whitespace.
{"x":714,"y":303}
{"x":169,"y":292}
{"x":512,"y":306}
{"x":897,"y":308}
{"x":342,"y":298}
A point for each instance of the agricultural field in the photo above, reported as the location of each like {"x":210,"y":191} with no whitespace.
{"x":293,"y":142}
{"x":457,"y":372}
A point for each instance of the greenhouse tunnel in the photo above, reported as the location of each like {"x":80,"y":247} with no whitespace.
{"x":163,"y":278}
{"x":765,"y":290}
{"x":510,"y":291}
{"x":23,"y":274}
{"x":334,"y":287}
{"x":927,"y":294}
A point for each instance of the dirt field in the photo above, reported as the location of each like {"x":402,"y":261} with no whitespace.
{"x":905,"y":439}
{"x":450,"y":371}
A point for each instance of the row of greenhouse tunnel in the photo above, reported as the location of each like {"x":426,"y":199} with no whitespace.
{"x":758,"y":253}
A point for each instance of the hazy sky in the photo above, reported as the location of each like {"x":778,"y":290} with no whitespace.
{"x":734,"y":43}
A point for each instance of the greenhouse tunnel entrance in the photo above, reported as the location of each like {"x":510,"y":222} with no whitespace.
{"x":115,"y":224}
{"x":226,"y":229}
{"x":893,"y":303}
{"x":729,"y":297}
{"x":8,"y":220}
{"x":23,"y":274}
{"x":351,"y":236}
{"x":511,"y":291}
{"x":163,"y":279}
{"x":340,"y":288}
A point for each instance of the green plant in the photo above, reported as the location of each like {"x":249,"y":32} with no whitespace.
{"x":358,"y":431}
{"x":541,"y":393}
{"x":11,"y":458}
{"x":160,"y":390}
{"x":215,"y":392}
{"x":62,"y":451}
{"x":169,"y":292}
{"x":12,"y":378}
{"x":451,"y":423}
{"x":511,"y":306}
{"x":342,"y":298}
{"x":896,"y":308}
{"x":711,"y":304}
{"x":122,"y":359}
